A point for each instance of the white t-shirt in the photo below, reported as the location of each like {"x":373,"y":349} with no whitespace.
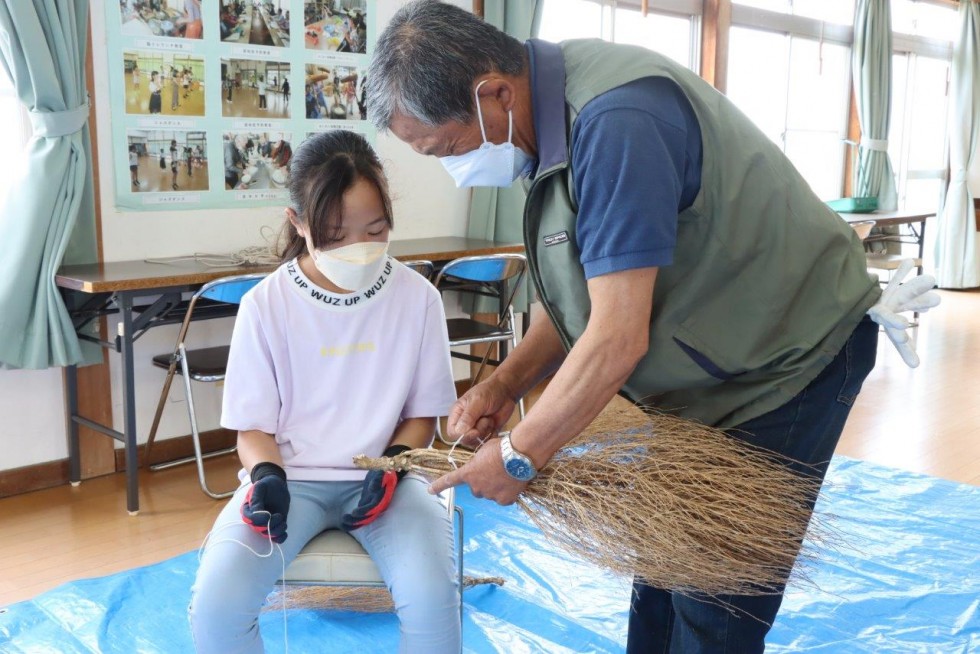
{"x":331,"y":375}
{"x":261,"y":88}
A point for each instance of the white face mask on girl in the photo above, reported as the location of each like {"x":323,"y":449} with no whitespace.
{"x":492,"y":164}
{"x":354,"y":266}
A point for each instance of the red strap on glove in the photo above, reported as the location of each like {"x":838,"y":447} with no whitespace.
{"x":376,"y":494}
{"x":266,"y":503}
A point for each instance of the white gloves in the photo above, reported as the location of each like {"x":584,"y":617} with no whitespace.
{"x":916,"y":295}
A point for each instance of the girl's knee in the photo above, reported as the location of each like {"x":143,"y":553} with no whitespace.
{"x":421,"y":597}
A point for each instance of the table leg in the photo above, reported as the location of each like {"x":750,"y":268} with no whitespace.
{"x":922,"y":243}
{"x":71,"y":427}
{"x":129,"y":402}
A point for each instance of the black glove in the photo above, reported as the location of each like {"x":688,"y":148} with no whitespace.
{"x":267,"y":502}
{"x":376,"y":494}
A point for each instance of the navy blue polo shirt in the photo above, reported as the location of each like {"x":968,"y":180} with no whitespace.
{"x":635,"y":160}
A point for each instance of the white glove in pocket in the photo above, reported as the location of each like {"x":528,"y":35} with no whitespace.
{"x":914,"y":295}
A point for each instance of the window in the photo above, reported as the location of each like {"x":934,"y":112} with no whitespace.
{"x":571,"y":19}
{"x":669,"y":35}
{"x":840,"y":12}
{"x":925,"y":19}
{"x":13,"y":114}
{"x":796,"y":90}
{"x":917,"y":134}
{"x":670,"y":27}
{"x":924,"y":33}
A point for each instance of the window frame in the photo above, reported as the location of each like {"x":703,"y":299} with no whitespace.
{"x":689,"y":9}
{"x":812,"y":29}
{"x":793,"y":25}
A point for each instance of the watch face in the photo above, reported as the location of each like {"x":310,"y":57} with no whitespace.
{"x":519,"y":469}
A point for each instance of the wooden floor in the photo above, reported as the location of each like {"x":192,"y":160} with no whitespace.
{"x":926,"y":420}
{"x":154,"y":179}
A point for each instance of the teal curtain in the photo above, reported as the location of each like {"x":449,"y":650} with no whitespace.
{"x":872,"y":70}
{"x":957,"y":263}
{"x":48,"y":217}
{"x":498,"y":213}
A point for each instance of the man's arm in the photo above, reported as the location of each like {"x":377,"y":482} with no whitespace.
{"x":614,"y":341}
{"x":538,"y":355}
{"x":486,"y":406}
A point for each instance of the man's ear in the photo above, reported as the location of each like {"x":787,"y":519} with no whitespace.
{"x":499,"y":88}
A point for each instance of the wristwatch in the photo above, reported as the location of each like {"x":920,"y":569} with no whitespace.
{"x":517,"y":465}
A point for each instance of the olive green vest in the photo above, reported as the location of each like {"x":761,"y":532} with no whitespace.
{"x":767,"y":282}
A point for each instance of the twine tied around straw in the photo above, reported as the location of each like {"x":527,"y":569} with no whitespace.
{"x":668,"y":501}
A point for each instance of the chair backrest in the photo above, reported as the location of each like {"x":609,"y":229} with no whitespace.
{"x":229,"y":290}
{"x":422,"y":267}
{"x":488,"y":268}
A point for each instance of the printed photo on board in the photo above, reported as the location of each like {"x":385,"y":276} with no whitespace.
{"x":167,"y":83}
{"x":255,"y":23}
{"x":167,"y":160}
{"x":254,"y":89}
{"x":256,"y":160}
{"x":173,"y":18}
{"x":335,"y":93}
{"x":335,"y":25}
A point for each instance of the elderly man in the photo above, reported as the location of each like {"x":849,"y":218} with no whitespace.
{"x":680,"y":257}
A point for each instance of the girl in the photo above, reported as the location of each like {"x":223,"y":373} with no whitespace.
{"x":341,"y":351}
{"x":173,"y":164}
{"x":134,"y":161}
{"x":174,"y":89}
{"x":156,"y":98}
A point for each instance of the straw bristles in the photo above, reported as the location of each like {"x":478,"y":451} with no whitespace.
{"x":362,"y":599}
{"x":676,"y":504}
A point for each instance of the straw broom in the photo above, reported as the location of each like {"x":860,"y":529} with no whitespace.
{"x":362,"y":599}
{"x":671,"y":502}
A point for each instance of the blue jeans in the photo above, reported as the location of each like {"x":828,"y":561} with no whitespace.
{"x":805,"y":429}
{"x":411,"y":543}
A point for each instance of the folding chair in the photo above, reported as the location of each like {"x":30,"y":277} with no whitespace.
{"x":202,"y":365}
{"x":493,"y":275}
{"x":422,"y":267}
{"x":335,"y":558}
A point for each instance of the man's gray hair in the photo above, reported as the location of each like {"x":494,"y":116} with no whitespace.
{"x":426,"y":60}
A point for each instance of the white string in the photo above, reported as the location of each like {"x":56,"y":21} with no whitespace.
{"x":273,"y":546}
{"x":449,"y":456}
{"x":253,"y":255}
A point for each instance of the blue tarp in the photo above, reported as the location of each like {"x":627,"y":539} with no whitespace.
{"x":906,"y":579}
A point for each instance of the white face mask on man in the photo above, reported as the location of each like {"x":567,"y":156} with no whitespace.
{"x":491,"y":164}
{"x":352,"y":267}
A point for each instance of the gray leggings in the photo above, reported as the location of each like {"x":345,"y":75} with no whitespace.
{"x":411,"y":543}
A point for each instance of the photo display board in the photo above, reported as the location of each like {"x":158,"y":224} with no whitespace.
{"x":209,"y":98}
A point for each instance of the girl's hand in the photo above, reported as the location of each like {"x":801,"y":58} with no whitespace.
{"x":266,"y":504}
{"x":480,"y":413}
{"x":376,"y":494}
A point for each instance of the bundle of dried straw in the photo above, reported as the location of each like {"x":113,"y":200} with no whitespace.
{"x":363,"y":599}
{"x":676,"y":504}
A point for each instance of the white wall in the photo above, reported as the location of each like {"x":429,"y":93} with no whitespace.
{"x":32,"y":430}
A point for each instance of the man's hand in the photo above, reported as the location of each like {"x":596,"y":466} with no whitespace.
{"x":266,"y":504}
{"x":485,"y":475}
{"x":480,"y":413}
